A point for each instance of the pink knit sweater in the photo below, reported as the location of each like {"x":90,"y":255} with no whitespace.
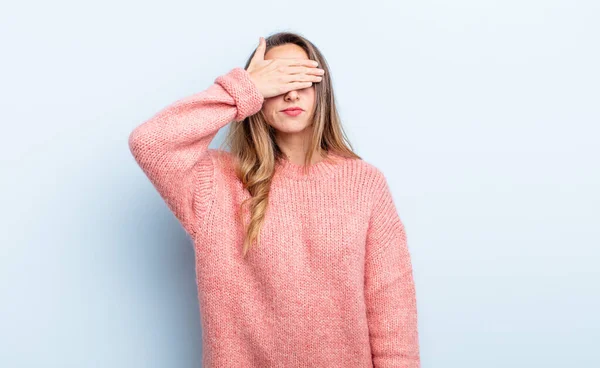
{"x":330,"y":284}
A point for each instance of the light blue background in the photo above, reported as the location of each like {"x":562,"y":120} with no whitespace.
{"x":483,"y":115}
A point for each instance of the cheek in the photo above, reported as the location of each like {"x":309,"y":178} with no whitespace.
{"x":309,"y":93}
{"x":269,"y":108}
{"x":311,"y":98}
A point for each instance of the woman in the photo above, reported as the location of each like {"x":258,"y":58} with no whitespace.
{"x":301,"y":257}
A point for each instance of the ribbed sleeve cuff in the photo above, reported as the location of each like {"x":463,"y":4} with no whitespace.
{"x":247,"y":97}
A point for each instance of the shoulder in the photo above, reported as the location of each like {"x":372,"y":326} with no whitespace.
{"x":377,"y":185}
{"x":366,"y":180}
{"x":223,"y":162}
{"x":365,"y":172}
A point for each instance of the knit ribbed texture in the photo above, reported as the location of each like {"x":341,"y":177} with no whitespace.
{"x":329,"y":285}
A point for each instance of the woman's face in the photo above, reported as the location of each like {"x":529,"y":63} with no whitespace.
{"x":303,"y":98}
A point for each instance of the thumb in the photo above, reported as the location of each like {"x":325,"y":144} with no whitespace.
{"x":259,"y":54}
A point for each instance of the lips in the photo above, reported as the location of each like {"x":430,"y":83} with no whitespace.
{"x":291,"y":111}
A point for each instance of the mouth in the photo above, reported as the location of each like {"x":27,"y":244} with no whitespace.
{"x":292,"y":111}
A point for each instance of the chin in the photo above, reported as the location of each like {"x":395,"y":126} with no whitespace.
{"x":291,"y":126}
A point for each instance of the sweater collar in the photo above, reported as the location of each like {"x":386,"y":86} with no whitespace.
{"x":320,"y":169}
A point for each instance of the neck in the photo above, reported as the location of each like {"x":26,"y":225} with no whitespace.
{"x":294,"y":147}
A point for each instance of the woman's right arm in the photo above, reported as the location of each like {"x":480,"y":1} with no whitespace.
{"x":172,"y":146}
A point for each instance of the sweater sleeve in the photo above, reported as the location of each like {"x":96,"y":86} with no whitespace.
{"x":172,"y":146}
{"x":389,"y":287}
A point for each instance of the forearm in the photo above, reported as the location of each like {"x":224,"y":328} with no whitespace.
{"x":187,"y":126}
{"x":392,"y":309}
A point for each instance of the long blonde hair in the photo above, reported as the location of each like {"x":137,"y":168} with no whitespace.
{"x":254,"y":149}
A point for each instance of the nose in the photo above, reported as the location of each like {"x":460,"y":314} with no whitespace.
{"x":291,"y":95}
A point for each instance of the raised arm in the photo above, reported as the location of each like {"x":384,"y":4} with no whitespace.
{"x":389,"y":287}
{"x":172,"y":146}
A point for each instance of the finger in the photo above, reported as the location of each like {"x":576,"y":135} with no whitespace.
{"x":259,"y":54}
{"x":296,"y":85}
{"x":304,"y":70}
{"x":300,"y":62}
{"x":290,"y":78}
